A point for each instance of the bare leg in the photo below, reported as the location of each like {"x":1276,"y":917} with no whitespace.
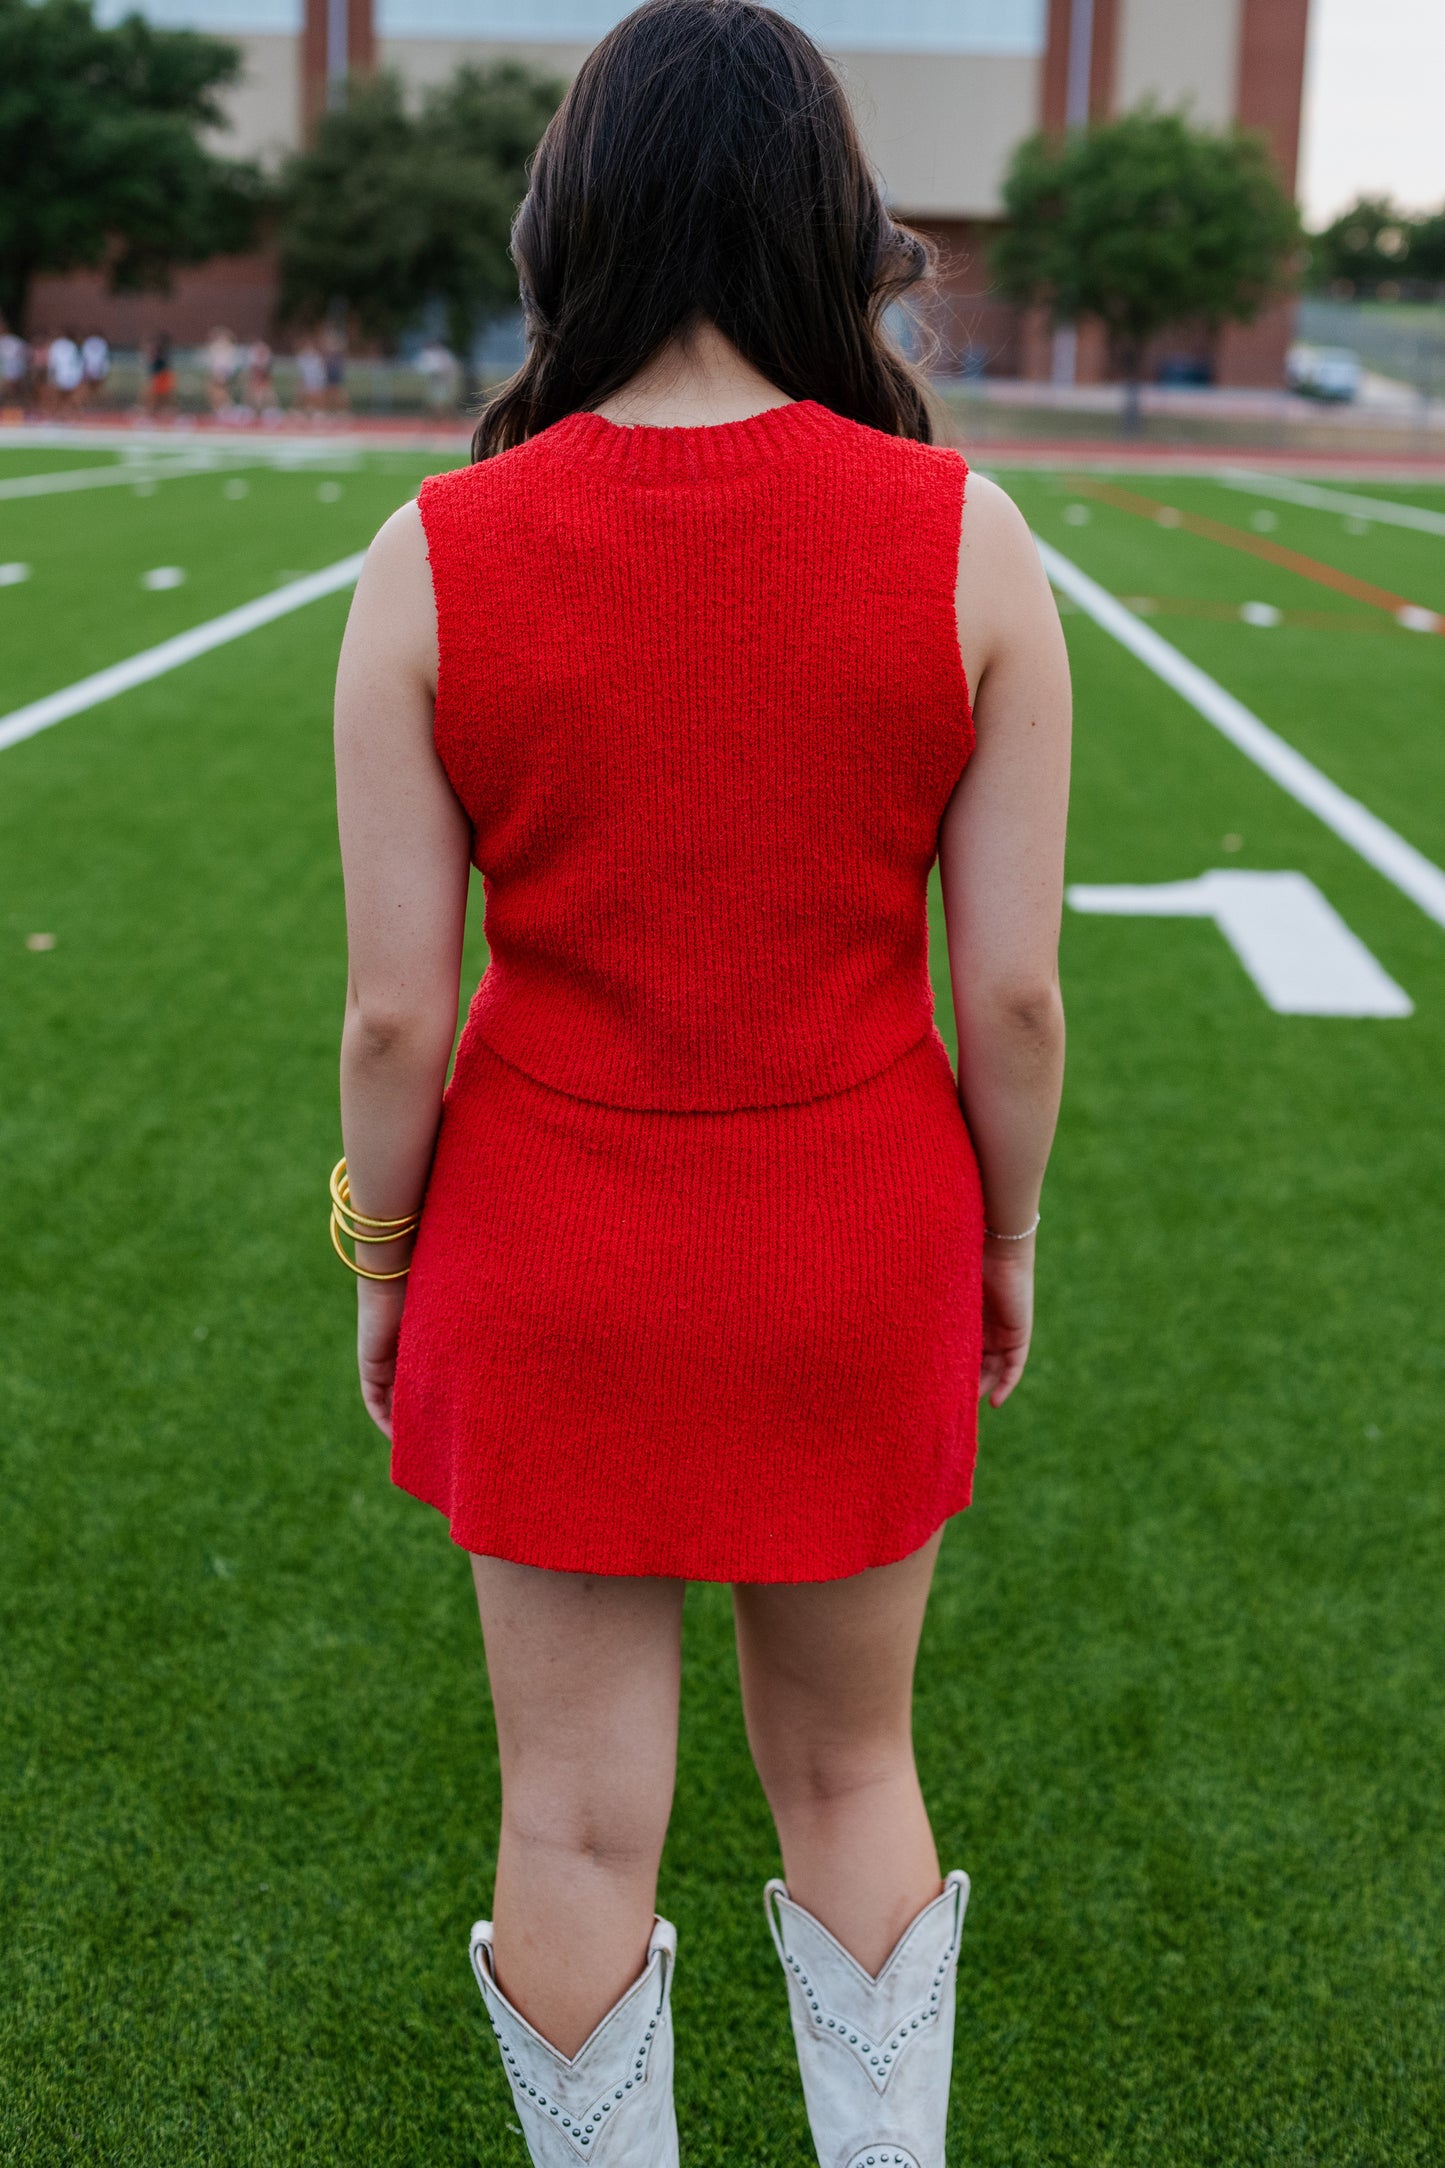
{"x":827,"y":1680}
{"x":584,"y":1672}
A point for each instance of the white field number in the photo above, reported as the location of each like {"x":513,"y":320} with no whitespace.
{"x":1291,"y":940}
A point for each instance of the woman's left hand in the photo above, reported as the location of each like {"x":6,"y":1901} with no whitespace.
{"x":379,"y":1304}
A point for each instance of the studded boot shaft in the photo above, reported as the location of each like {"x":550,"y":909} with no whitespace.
{"x":875,"y":2055}
{"x":611,"y":2103}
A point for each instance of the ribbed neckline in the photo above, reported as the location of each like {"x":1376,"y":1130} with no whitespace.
{"x":706,"y":451}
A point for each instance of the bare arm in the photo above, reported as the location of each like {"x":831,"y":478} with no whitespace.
{"x":1001,"y":861}
{"x":405,"y":849}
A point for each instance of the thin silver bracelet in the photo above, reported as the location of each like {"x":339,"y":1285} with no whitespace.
{"x":994,"y":1235}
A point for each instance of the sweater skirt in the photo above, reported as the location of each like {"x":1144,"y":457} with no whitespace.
{"x":737,"y":1346}
{"x":697,"y":1286}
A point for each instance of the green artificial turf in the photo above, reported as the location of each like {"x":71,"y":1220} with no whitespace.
{"x":233,"y":536}
{"x":52,"y":458}
{"x":1363,"y":701}
{"x":1179,"y":1705}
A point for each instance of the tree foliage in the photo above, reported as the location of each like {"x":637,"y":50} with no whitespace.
{"x":101,"y":160}
{"x":1145,"y":222}
{"x":1375,"y":245}
{"x":392,"y":209}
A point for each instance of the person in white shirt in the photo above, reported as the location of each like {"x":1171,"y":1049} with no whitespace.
{"x":95,"y":365}
{"x":14,"y":366}
{"x":442,"y":374}
{"x":66,"y":370}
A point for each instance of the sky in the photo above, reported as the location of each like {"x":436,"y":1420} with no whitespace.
{"x":1374,"y":117}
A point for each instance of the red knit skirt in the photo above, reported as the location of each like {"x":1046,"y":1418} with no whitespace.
{"x":734,"y":1346}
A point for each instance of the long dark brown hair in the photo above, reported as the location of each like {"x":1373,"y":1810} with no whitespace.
{"x":705,"y":165}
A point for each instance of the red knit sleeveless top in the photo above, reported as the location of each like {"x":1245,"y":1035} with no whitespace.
{"x":701,"y":695}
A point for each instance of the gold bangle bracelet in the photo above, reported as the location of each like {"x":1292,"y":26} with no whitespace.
{"x":360,"y":1270}
{"x":357,"y":1228}
{"x":341,"y":1198}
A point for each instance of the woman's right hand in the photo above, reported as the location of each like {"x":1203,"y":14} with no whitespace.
{"x":1008,"y":1317}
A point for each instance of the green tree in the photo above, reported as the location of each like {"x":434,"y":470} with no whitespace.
{"x":1369,"y":245}
{"x":1427,"y":249}
{"x":1145,"y":222}
{"x":101,"y":160}
{"x":392,"y":209}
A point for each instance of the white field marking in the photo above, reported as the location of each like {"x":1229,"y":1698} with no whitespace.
{"x":1415,"y":875}
{"x":124,"y":475}
{"x":1293,"y":943}
{"x":1382,"y":509}
{"x":13,"y":575}
{"x":143,"y":472}
{"x":149,"y":443}
{"x":163,"y":576}
{"x":154,"y":662}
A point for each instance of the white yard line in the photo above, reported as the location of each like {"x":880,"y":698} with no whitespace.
{"x":60,"y":481}
{"x":152,"y":443}
{"x":1412,"y":873}
{"x":209,"y":459}
{"x":1383,"y":511}
{"x":154,"y":662}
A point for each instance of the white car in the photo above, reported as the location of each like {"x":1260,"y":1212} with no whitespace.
{"x":1324,"y":372}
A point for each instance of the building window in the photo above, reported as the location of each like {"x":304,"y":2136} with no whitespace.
{"x":227,"y":18}
{"x":921,"y":26}
{"x":897,"y":26}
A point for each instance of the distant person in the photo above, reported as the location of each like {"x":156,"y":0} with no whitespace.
{"x":222,"y":360}
{"x":334,"y":349}
{"x":441,"y":373}
{"x":158,"y":377}
{"x":66,"y":370}
{"x":261,"y":380}
{"x":699,"y":1265}
{"x":310,"y":377}
{"x":14,"y":366}
{"x":95,"y":363}
{"x":41,"y":387}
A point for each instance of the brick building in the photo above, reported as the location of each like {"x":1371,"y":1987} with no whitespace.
{"x":943,"y":89}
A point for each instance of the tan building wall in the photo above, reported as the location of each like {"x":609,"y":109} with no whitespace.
{"x":939,"y":127}
{"x":264,"y":108}
{"x":1180,"y":53}
{"x":432,"y":60}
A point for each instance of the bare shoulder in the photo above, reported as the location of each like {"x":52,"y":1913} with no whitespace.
{"x":393,"y":622}
{"x":400,"y":540}
{"x":1003,"y":592}
{"x":994,"y":533}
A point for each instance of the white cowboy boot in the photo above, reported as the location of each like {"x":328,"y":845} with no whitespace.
{"x":875,"y":2055}
{"x":612,"y":2102}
